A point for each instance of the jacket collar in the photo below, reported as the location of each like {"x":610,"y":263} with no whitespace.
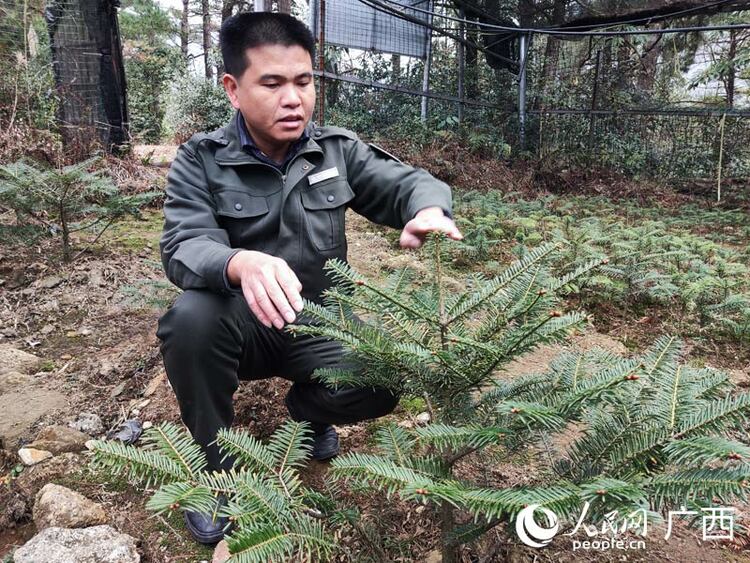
{"x":230,"y":151}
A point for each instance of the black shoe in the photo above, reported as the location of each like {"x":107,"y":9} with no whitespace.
{"x":325,"y":443}
{"x":207,"y":529}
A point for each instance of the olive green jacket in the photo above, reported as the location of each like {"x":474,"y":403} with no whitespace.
{"x":221,"y":200}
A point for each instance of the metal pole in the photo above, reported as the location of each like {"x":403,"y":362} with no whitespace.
{"x":259,"y":6}
{"x":427,"y":65}
{"x":461,"y":63}
{"x":522,"y":92}
{"x":322,"y":65}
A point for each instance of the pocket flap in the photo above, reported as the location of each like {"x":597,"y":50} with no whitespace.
{"x":327,"y":196}
{"x":238,"y":204}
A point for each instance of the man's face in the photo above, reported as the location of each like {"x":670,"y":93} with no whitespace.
{"x":275,"y":94}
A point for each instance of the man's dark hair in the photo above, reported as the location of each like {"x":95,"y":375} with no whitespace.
{"x":246,"y":30}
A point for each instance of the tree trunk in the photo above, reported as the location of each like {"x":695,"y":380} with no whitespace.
{"x":551,"y":54}
{"x":206,"y":12}
{"x":285,"y":6}
{"x":649,"y":65}
{"x":526,"y":11}
{"x":472,"y":68}
{"x":89,"y":74}
{"x":184,"y":30}
{"x":395,"y":69}
{"x":447,"y":523}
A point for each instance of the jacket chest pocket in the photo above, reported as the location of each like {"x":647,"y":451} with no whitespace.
{"x":325,"y":206}
{"x":244,"y":216}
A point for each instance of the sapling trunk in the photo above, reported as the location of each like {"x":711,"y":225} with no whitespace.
{"x":447,"y":523}
{"x":65,"y":232}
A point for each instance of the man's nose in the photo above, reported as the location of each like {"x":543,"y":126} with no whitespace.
{"x":290,"y":97}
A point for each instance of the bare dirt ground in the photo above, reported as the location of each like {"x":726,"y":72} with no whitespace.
{"x":92,"y":324}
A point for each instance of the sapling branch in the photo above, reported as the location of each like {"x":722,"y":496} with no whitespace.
{"x":450,"y":460}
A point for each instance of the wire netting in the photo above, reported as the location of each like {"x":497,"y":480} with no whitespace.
{"x":652,"y":104}
{"x":355,"y":23}
{"x":669,"y":105}
{"x":62,"y":68}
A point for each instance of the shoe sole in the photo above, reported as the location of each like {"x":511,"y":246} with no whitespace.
{"x":200,"y":537}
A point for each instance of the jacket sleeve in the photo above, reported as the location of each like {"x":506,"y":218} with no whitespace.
{"x":194,"y":248}
{"x":388,"y":191}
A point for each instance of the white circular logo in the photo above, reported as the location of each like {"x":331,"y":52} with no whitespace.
{"x":531,"y":533}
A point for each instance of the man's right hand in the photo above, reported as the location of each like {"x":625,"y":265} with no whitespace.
{"x":269,"y":285}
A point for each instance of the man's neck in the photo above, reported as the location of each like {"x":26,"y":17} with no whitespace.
{"x":275,"y":152}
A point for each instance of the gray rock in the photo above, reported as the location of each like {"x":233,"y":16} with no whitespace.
{"x":11,"y":380}
{"x":12,"y":359}
{"x":59,"y":439}
{"x":32,"y":456}
{"x":98,"y":544}
{"x":221,"y":552}
{"x":57,"y":506}
{"x":423,"y":417}
{"x":22,"y":406}
{"x":88,"y":423}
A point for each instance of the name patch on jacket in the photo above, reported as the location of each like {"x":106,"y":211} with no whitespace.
{"x":323,"y":175}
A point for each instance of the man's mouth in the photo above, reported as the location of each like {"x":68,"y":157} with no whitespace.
{"x":292,"y":119}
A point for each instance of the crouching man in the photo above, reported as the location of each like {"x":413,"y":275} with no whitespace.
{"x":253,"y":211}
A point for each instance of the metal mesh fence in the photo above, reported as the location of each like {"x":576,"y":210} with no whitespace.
{"x":657,"y":105}
{"x":357,"y":24}
{"x":61,"y":68}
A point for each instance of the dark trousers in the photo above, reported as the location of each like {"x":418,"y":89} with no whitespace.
{"x":210,"y":342}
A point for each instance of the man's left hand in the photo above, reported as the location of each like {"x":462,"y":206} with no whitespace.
{"x":428,"y":220}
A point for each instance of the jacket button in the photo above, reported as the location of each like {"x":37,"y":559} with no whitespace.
{"x":238,"y":206}
{"x":330,"y":198}
{"x":318,"y":133}
{"x":305,"y":167}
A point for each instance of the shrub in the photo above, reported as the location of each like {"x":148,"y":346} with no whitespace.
{"x":195,"y":105}
{"x":67,"y":199}
{"x":273,"y":514}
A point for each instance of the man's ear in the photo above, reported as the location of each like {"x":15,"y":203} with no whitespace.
{"x":231,"y":84}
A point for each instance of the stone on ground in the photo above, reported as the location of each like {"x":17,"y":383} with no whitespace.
{"x":59,"y":439}
{"x":221,"y":552}
{"x":32,"y":456}
{"x":12,"y":359}
{"x":58,"y":506}
{"x":22,"y":396}
{"x":11,"y":380}
{"x":88,"y":423}
{"x":98,"y":544}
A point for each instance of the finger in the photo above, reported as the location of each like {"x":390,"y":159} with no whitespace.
{"x":291,"y":287}
{"x":277,"y":297}
{"x":410,"y":240}
{"x":453,"y":232}
{"x":414,"y":231}
{"x":266,"y":304}
{"x":419,"y":226}
{"x":442,"y":225}
{"x":255,"y":308}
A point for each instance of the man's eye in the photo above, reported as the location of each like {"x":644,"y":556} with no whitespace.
{"x":271,"y":85}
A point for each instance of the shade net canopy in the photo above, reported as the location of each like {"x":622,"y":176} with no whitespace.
{"x":359,"y":25}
